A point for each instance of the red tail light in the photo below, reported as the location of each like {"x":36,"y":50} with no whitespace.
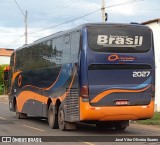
{"x":84,"y":92}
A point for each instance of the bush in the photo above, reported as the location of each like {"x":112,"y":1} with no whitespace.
{"x":2,"y":73}
{"x":1,"y":89}
{"x":1,"y":78}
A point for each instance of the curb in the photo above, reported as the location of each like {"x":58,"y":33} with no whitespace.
{"x":151,"y":127}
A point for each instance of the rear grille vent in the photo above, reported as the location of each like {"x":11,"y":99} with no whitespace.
{"x":72,"y":102}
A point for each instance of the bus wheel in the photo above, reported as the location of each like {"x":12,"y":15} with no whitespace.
{"x":52,"y":117}
{"x":64,"y":125}
{"x":61,"y":119}
{"x":20,"y":115}
{"x":122,"y":125}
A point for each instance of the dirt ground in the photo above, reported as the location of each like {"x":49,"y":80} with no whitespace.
{"x":4,"y":98}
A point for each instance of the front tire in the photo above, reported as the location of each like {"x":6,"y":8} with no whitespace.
{"x":20,"y":115}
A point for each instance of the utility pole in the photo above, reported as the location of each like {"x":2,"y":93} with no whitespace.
{"x":25,"y":21}
{"x":103,"y":11}
{"x":26,"y":27}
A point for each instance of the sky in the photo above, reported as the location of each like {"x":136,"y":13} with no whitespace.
{"x":46,"y":17}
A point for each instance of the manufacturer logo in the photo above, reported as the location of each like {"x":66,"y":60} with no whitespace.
{"x":116,"y":57}
{"x":6,"y":139}
{"x":119,"y":41}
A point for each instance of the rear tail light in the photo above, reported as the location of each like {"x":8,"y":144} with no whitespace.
{"x":84,"y":92}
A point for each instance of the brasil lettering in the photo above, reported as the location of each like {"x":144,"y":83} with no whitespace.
{"x":119,"y":41}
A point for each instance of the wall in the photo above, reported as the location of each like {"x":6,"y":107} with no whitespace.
{"x":4,"y":60}
{"x":156,"y":34}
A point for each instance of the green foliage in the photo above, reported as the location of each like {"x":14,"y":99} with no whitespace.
{"x":1,"y":78}
{"x":155,"y":120}
{"x":1,"y":89}
{"x":2,"y":73}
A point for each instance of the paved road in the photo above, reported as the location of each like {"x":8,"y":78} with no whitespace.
{"x":36,"y":126}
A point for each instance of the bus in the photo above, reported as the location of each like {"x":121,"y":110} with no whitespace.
{"x":97,"y":73}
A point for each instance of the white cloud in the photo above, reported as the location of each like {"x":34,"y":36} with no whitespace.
{"x":8,"y":35}
{"x":126,"y":10}
{"x":14,"y":37}
{"x":125,"y":7}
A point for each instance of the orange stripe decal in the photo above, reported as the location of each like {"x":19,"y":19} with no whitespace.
{"x":45,"y":88}
{"x":70,"y":86}
{"x":105,"y":93}
{"x":54,"y":82}
{"x":13,"y":79}
{"x":15,"y":75}
{"x":28,"y":95}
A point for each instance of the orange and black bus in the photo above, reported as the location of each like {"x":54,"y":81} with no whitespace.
{"x":95,"y":73}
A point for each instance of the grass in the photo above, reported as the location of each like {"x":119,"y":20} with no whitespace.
{"x":155,"y":120}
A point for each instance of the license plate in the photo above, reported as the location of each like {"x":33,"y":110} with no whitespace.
{"x":122,"y":102}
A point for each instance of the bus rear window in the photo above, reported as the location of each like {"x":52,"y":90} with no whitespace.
{"x":125,"y":39}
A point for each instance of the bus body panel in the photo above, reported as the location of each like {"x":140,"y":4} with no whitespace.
{"x":32,"y":99}
{"x":117,"y":81}
{"x":108,"y":75}
{"x":115,"y":113}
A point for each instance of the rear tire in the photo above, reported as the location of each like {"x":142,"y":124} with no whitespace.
{"x":52,"y":117}
{"x":61,"y":119}
{"x":122,"y":125}
{"x":64,"y":125}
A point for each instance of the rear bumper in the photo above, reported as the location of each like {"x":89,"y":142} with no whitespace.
{"x":89,"y":113}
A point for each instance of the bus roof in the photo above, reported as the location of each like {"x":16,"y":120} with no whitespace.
{"x":78,"y":28}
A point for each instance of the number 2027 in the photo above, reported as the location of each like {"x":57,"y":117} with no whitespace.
{"x":141,"y":73}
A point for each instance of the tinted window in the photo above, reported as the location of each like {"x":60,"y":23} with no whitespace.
{"x":66,"y":49}
{"x":57,"y":45}
{"x":12,"y":62}
{"x":119,"y":39}
{"x":46,"y":54}
{"x":75,"y":44}
{"x":19,"y":60}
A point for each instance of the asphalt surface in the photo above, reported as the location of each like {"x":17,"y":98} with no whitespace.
{"x":37,"y":126}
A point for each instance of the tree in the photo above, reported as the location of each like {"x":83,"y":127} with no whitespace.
{"x":2,"y":77}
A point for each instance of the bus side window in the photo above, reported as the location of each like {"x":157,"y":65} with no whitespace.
{"x":75,"y":45}
{"x":66,"y":49}
{"x":57,"y":44}
{"x":18,"y":64}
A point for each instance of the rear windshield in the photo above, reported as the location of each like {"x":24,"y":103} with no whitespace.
{"x":125,"y":39}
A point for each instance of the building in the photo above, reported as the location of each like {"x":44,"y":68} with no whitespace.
{"x":155,"y":26}
{"x":5,"y":55}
